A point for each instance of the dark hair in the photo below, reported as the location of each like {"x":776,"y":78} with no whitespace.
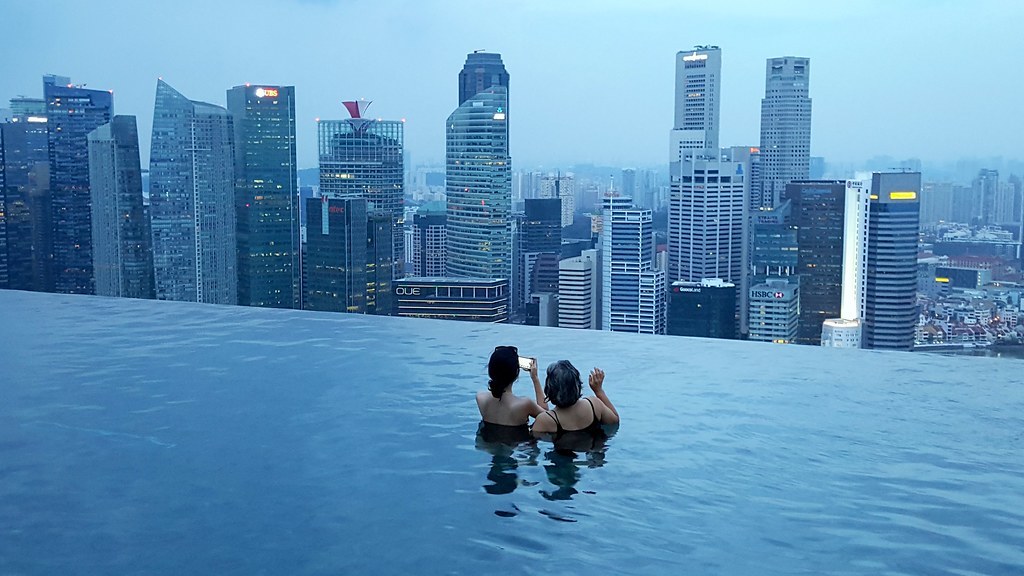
{"x":503,"y":369}
{"x":563,"y":386}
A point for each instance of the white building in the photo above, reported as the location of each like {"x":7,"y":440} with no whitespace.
{"x":578,"y":304}
{"x":840,"y":332}
{"x":633,"y":291}
{"x":563,"y":187}
{"x":785,"y":126}
{"x":774,"y":311}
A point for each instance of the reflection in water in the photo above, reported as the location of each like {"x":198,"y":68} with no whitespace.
{"x":563,"y":469}
{"x":507,"y":445}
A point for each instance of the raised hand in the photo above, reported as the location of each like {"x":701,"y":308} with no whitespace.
{"x":596,"y":380}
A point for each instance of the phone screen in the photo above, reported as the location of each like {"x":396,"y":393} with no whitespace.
{"x":525,"y":362}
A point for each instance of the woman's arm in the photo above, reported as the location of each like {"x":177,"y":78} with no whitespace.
{"x":542,"y":404}
{"x":597,"y":385}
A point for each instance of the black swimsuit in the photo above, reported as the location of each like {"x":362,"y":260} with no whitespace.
{"x":582,"y":440}
{"x":594,"y":425}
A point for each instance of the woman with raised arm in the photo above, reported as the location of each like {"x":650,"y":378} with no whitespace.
{"x":571,"y":416}
{"x":499,"y":407}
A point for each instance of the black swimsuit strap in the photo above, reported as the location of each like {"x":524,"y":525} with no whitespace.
{"x":555,"y":418}
{"x":592,"y":410}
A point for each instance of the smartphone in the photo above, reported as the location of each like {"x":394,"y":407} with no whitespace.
{"x":526,"y":363}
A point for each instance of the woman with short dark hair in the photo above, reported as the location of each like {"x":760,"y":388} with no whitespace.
{"x":564,"y":388}
{"x":498,"y":405}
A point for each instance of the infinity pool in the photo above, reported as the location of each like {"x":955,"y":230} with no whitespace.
{"x":166,"y":438}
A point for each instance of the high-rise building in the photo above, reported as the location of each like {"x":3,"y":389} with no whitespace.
{"x":785,"y":126}
{"x":540,"y":236}
{"x":337,"y":240}
{"x":121,"y":243}
{"x":774,"y":245}
{"x":429,"y":243}
{"x":986,"y":188}
{"x":578,"y":302}
{"x":774,"y":311}
{"x":845,"y":331}
{"x":266,"y":195}
{"x":890,"y":303}
{"x":363,"y":158}
{"x":706,"y":309}
{"x":698,"y":91}
{"x":25,"y":197}
{"x":72,"y":112}
{"x":478,"y":173}
{"x":818,"y":209}
{"x":629,"y":187}
{"x":192,"y":205}
{"x":379,"y":263}
{"x":633,"y":291}
{"x":563,"y":187}
{"x":466,"y":299}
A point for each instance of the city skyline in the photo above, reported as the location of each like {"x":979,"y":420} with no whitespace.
{"x":629,"y":67}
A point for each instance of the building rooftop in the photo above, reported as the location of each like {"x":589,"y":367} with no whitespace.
{"x":173,"y":438}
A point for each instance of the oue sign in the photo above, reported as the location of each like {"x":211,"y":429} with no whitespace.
{"x":404,"y":291}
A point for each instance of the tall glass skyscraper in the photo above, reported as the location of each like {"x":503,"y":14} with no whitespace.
{"x":478,"y":173}
{"x":25,"y":193}
{"x":192,"y":187}
{"x":121,"y":244}
{"x":336,"y":254}
{"x":72,"y":113}
{"x":890,"y":302}
{"x":785,"y":127}
{"x":266,"y":195}
{"x":364,"y":158}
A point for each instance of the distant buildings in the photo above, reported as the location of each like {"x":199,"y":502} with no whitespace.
{"x":336,"y":254}
{"x":26,"y":231}
{"x":192,"y":200}
{"x":578,"y":291}
{"x":266,"y":195}
{"x":785,"y":126}
{"x":478,"y":173}
{"x":429,"y":248}
{"x":72,"y":112}
{"x":121,"y":243}
{"x":563,"y":187}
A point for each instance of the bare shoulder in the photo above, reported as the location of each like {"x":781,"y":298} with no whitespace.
{"x":543,"y":424}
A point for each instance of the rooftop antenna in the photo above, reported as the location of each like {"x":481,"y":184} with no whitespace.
{"x":479,"y":51}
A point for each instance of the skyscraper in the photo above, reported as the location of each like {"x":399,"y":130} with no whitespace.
{"x":192,"y":204}
{"x":121,"y":242}
{"x":478,"y":173}
{"x":266,"y":195}
{"x":706,"y":309}
{"x":578,"y":302}
{"x":785,"y":126}
{"x":25,"y":193}
{"x":72,"y":113}
{"x":336,"y":261}
{"x":774,"y":311}
{"x":364,"y":158}
{"x":890,"y":303}
{"x":985,"y":190}
{"x":541,"y":234}
{"x":429,"y":246}
{"x":380,"y":262}
{"x":698,"y":91}
{"x":563,"y":187}
{"x":633,"y":290}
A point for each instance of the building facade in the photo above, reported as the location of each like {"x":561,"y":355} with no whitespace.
{"x":578,"y":300}
{"x":478,"y":174}
{"x":192,"y":200}
{"x":466,"y":299}
{"x":785,"y":126}
{"x":890,"y":303}
{"x":266,"y":195}
{"x":336,"y":260}
{"x":72,"y":112}
{"x":429,"y":242}
{"x":121,"y":243}
{"x":563,"y":187}
{"x":705,"y":309}
{"x":26,"y":235}
{"x":633,"y":291}
{"x":774,"y":311}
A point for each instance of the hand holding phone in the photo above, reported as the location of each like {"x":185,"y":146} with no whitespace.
{"x":527,"y":363}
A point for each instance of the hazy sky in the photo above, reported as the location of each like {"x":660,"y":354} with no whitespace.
{"x":591,"y":80}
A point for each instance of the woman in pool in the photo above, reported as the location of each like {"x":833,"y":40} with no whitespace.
{"x":498,"y":405}
{"x":564,"y":389}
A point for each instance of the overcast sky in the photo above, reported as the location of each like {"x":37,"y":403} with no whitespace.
{"x":591,"y":80}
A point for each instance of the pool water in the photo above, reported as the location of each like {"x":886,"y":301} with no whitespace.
{"x":170,"y":438}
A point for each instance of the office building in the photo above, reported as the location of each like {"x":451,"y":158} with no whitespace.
{"x":563,"y":187}
{"x":335,"y":262}
{"x":840,"y":333}
{"x":121,"y":244}
{"x":578,"y":300}
{"x":774,"y":311}
{"x":72,"y":112}
{"x":890,"y":303}
{"x":785,"y":126}
{"x":363,"y":158}
{"x":698,"y":89}
{"x":429,"y":241}
{"x":633,"y":291}
{"x":466,"y":299}
{"x":266,"y":195}
{"x":192,"y":206}
{"x":706,"y":309}
{"x":478,"y":173}
{"x":845,"y":331}
{"x":774,"y":245}
{"x":985,"y":190}
{"x":26,"y":252}
{"x":540,"y":240}
{"x":379,"y":263}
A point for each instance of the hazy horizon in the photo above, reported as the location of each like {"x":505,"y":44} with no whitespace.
{"x":590,"y":82}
